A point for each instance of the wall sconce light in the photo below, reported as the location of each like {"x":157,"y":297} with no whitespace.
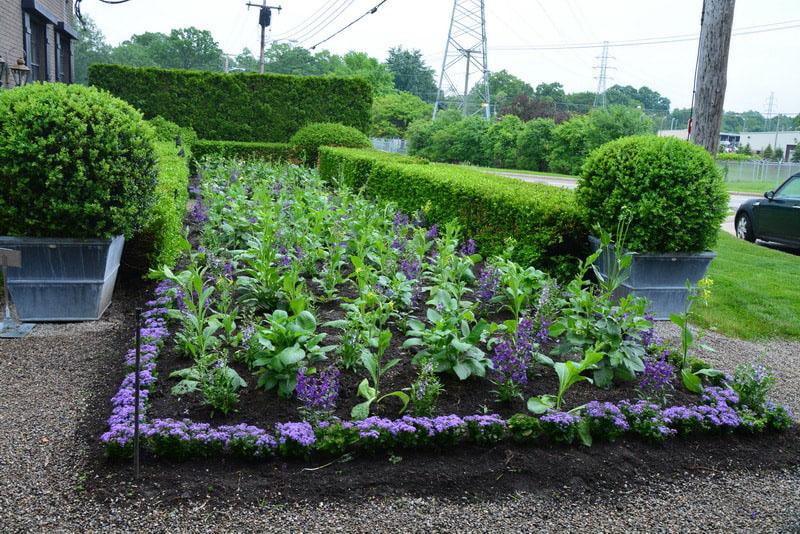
{"x":3,"y":70}
{"x":20,"y":72}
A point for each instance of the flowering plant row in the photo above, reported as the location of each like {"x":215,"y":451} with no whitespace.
{"x":718,"y":411}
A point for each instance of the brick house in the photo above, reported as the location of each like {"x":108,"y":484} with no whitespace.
{"x":42,"y":34}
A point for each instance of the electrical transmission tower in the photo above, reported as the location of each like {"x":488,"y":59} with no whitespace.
{"x":465,"y":50}
{"x":602,"y":79}
{"x":770,"y":107}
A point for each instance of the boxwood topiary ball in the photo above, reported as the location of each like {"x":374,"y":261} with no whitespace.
{"x":74,"y":162}
{"x":673,"y":189}
{"x":309,"y":138}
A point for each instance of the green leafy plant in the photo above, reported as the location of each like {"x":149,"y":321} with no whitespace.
{"x":288,"y":342}
{"x":569,"y":373}
{"x":373,"y":363}
{"x":451,"y":343}
{"x":425,"y":390}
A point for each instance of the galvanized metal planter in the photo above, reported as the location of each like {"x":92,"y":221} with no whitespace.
{"x":660,"y":278}
{"x":63,"y":279}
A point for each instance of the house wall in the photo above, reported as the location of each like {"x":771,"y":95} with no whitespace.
{"x":12,"y":34}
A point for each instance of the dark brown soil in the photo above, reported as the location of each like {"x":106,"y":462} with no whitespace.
{"x":469,"y":471}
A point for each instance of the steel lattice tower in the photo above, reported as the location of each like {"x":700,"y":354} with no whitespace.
{"x":465,"y":51}
{"x":602,"y":79}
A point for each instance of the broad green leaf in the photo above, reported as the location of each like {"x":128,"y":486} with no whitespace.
{"x":604,"y":377}
{"x":460,"y":346}
{"x":433,"y":316}
{"x":462,"y":370}
{"x":307,"y":321}
{"x":184,"y":387}
{"x":365,"y":391}
{"x":540,"y":405}
{"x":412,"y":342}
{"x":361,"y":411}
{"x":400,"y":395}
{"x":291,"y":355}
{"x":584,"y":433}
{"x":691,"y":381}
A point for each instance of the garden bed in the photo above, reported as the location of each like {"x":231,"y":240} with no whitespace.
{"x":343,"y":317}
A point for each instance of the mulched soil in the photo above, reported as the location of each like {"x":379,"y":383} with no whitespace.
{"x":466,"y":472}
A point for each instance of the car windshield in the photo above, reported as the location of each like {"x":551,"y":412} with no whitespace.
{"x":790,"y":190}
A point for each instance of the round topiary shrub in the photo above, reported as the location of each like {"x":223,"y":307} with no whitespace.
{"x":309,"y":138}
{"x":74,"y":162}
{"x":672,"y":188}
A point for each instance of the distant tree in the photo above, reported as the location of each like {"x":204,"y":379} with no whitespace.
{"x":796,"y":122}
{"x":149,"y":49}
{"x":392,"y":113}
{"x":569,"y":145}
{"x":744,"y":149}
{"x":504,"y":88}
{"x":283,"y":58}
{"x":796,"y":155}
{"x":246,"y":60}
{"x":191,"y":48}
{"x":777,"y":154}
{"x":652,"y":100}
{"x":533,"y":144}
{"x":411,"y":74}
{"x":527,"y":108}
{"x":361,"y":65}
{"x":90,"y":48}
{"x":554,"y":91}
{"x":767,"y":153}
{"x":622,"y":95}
{"x":614,"y":122}
{"x":500,"y":141}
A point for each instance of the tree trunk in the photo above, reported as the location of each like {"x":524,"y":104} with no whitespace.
{"x":712,"y":72}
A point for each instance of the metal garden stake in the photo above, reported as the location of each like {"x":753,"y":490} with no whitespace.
{"x":136,"y":393}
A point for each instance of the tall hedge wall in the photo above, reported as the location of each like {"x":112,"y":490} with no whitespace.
{"x":549,"y":226}
{"x":240,"y":106}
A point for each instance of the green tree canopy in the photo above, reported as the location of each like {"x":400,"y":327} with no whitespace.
{"x":90,"y":48}
{"x":411,"y":74}
{"x":361,"y":65}
{"x":392,"y":113}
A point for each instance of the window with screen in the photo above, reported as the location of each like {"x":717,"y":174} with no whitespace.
{"x":36,"y":47}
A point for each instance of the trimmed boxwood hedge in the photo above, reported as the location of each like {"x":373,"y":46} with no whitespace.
{"x":310,"y":137}
{"x":672,"y":188}
{"x":549,"y":227}
{"x":161,"y":240}
{"x":243,"y":150}
{"x":240,"y":106}
{"x":75,"y":162}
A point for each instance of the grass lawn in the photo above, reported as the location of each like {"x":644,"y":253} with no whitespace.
{"x":756,"y":292}
{"x":752,"y":187}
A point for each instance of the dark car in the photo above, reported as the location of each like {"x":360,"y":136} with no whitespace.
{"x":776,"y":217}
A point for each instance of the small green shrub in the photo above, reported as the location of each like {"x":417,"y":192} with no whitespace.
{"x":74,"y":162}
{"x":546,"y":221}
{"x":734,"y":156}
{"x":307,"y":141}
{"x":673,"y":189}
{"x":168,"y":131}
{"x":242,"y":150}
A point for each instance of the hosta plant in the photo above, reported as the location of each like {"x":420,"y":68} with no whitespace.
{"x":569,"y":373}
{"x":376,"y":367}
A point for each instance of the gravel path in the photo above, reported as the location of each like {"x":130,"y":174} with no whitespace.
{"x":46,"y":385}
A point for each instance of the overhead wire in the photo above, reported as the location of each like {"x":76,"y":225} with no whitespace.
{"x":327,"y":18}
{"x":371,"y":11}
{"x":308,"y":20}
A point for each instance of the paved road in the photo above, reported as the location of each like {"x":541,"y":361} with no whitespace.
{"x":735,"y":201}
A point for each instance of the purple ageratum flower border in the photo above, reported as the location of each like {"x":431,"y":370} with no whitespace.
{"x":186,"y":438}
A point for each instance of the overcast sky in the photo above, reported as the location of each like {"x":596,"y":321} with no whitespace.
{"x":759,"y":63}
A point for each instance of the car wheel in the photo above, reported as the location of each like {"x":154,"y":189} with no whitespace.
{"x":744,"y":228}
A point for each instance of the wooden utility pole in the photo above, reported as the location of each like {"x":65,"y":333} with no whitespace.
{"x":712,"y":73}
{"x":264,"y":20}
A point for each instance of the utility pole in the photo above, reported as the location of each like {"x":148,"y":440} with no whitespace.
{"x":602,"y":79}
{"x":466,"y":44}
{"x":264,"y":20}
{"x":711,"y":78}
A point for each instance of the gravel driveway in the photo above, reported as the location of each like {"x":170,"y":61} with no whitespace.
{"x":48,"y":380}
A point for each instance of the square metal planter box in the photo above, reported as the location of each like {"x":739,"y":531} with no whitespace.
{"x":63,"y":279}
{"x":660,"y":278}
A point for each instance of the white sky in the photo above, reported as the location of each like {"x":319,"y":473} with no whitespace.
{"x":759,"y":63}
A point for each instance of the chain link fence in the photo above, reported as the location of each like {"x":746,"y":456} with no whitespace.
{"x":766,"y":173}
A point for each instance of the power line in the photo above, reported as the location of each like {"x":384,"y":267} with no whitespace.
{"x":370,"y":12}
{"x":313,"y":18}
{"x":747,"y":30}
{"x":326,"y":20}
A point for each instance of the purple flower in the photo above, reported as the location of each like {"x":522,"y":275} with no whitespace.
{"x":318,"y":393}
{"x":199,"y":213}
{"x":433,"y":232}
{"x":400,"y":219}
{"x":658,"y":376}
{"x":410,"y":268}
{"x":488,"y":283}
{"x":562,"y":419}
{"x":468,"y":248}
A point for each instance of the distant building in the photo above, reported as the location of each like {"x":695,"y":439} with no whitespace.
{"x":758,"y":141}
{"x":41,"y":33}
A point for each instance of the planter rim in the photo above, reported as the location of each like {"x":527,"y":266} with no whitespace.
{"x":707,"y":254}
{"x":15,"y":240}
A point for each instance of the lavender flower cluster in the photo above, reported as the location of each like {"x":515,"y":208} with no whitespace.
{"x":318,"y":393}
